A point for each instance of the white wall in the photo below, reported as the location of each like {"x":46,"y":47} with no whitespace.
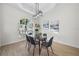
{"x":0,"y":24}
{"x":10,"y":19}
{"x":67,"y":13}
{"x":69,"y":21}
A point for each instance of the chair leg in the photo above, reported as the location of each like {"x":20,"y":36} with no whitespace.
{"x":52,"y":50}
{"x":34,"y":50}
{"x":47,"y":51}
{"x":40,"y":50}
{"x":25,"y":48}
{"x":26,"y":45}
{"x":29,"y":46}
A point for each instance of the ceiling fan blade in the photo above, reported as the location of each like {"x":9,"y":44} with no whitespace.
{"x":24,"y":9}
{"x":45,"y":7}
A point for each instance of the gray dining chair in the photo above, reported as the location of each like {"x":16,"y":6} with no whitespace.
{"x":47,"y":45}
{"x":31,"y":41}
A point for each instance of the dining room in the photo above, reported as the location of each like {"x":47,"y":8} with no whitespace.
{"x":39,"y":29}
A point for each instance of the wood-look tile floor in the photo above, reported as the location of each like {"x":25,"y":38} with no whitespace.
{"x":18,"y":49}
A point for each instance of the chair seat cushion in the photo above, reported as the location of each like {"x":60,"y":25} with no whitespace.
{"x":45,"y":44}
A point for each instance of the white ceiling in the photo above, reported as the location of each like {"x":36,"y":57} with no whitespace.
{"x":30,"y":7}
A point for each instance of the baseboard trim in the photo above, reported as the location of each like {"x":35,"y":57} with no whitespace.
{"x":11,"y":43}
{"x":64,"y":50}
{"x":61,"y":42}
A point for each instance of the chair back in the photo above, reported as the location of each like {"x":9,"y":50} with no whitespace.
{"x":32,"y":41}
{"x":50,"y":41}
{"x":44,"y":36}
{"x":30,"y":34}
{"x":27,"y":38}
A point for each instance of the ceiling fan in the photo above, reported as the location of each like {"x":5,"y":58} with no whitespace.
{"x":38,"y":12}
{"x":37,"y":8}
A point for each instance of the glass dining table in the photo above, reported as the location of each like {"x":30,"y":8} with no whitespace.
{"x":38,"y":38}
